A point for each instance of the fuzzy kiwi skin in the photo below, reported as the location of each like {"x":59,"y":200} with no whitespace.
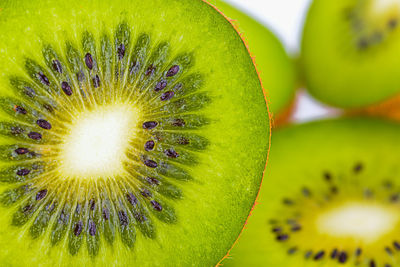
{"x":331,"y":145}
{"x":277,"y":71}
{"x":226,"y":180}
{"x":335,"y":70}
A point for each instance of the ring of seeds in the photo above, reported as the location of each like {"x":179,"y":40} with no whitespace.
{"x":101,"y":136}
{"x":372,"y":21}
{"x":314,"y":224}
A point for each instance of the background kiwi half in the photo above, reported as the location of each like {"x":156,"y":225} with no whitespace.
{"x":133,"y":133}
{"x":351,"y":51}
{"x":277,"y":71}
{"x":330,"y":197}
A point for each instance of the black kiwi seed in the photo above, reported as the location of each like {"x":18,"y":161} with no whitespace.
{"x":358,"y":168}
{"x":334,"y":253}
{"x":178,"y":122}
{"x":96,"y":81}
{"x":66,"y":88}
{"x":92,"y":204}
{"x":91,"y":75}
{"x":157,"y":206}
{"x":35,"y":135}
{"x":161,"y":85}
{"x":363,"y":43}
{"x":276,"y":229}
{"x":171,"y":153}
{"x":358,"y":252}
{"x":292,"y":250}
{"x":319,"y":255}
{"x":78,"y":228}
{"x":121,"y":51}
{"x":132,"y":199}
{"x":342,"y":257}
{"x":43,"y":124}
{"x":150,"y":70}
{"x":43,"y":79}
{"x":16,"y":130}
{"x":20,"y":110}
{"x":41,"y":194}
{"x":89,"y":61}
{"x":173,"y":71}
{"x":282,"y":237}
{"x":306,"y":192}
{"x":392,"y":24}
{"x":146,"y":193}
{"x":150,"y":163}
{"x":123,"y":219}
{"x":152,"y":181}
{"x":287,"y":201}
{"x":148,"y":125}
{"x":149,"y":145}
{"x":57,"y":66}
{"x":23,"y":172}
{"x":106,"y":214}
{"x":167,"y":95}
{"x":327,"y":176}
{"x":21,"y":151}
{"x":396,"y":245}
{"x":92,"y":228}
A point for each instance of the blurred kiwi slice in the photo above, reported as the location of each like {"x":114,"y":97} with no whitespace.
{"x":330,"y":197}
{"x":277,"y":71}
{"x":133,"y":133}
{"x":351,"y":51}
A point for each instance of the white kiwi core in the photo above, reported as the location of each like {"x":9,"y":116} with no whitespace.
{"x":381,"y":6}
{"x":359,"y":221}
{"x":96,"y":144}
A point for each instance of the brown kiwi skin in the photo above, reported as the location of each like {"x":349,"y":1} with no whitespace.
{"x":389,"y":109}
{"x":285,"y":118}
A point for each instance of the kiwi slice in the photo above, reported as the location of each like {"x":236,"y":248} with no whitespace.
{"x":276,"y":70}
{"x":351,"y":51}
{"x":331,"y":197}
{"x":126,"y":133}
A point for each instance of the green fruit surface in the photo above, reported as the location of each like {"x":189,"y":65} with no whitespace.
{"x":277,"y":71}
{"x":336,"y":71}
{"x":217,"y":201}
{"x":300,"y":158}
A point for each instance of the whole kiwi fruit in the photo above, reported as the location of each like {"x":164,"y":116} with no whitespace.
{"x":350,"y":53}
{"x":330,"y":197}
{"x":133,"y":133}
{"x":275,"y":67}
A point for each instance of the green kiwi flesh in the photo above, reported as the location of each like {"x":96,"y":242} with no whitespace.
{"x":322,"y":179}
{"x":177,"y":81}
{"x":277,"y":71}
{"x":351,"y":51}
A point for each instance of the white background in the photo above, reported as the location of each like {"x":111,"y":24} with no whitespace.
{"x":285,"y":18}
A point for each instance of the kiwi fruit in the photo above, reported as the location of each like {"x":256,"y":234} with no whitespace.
{"x":350,"y":51}
{"x":330,"y":197}
{"x":276,"y":69}
{"x":126,"y":133}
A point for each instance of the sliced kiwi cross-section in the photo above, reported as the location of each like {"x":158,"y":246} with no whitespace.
{"x":126,"y":133}
{"x":276,"y":70}
{"x":337,"y":204}
{"x":351,"y":51}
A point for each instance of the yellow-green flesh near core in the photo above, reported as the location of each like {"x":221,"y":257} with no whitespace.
{"x":330,"y":197}
{"x":351,"y":51}
{"x":133,"y":133}
{"x":277,"y":71}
